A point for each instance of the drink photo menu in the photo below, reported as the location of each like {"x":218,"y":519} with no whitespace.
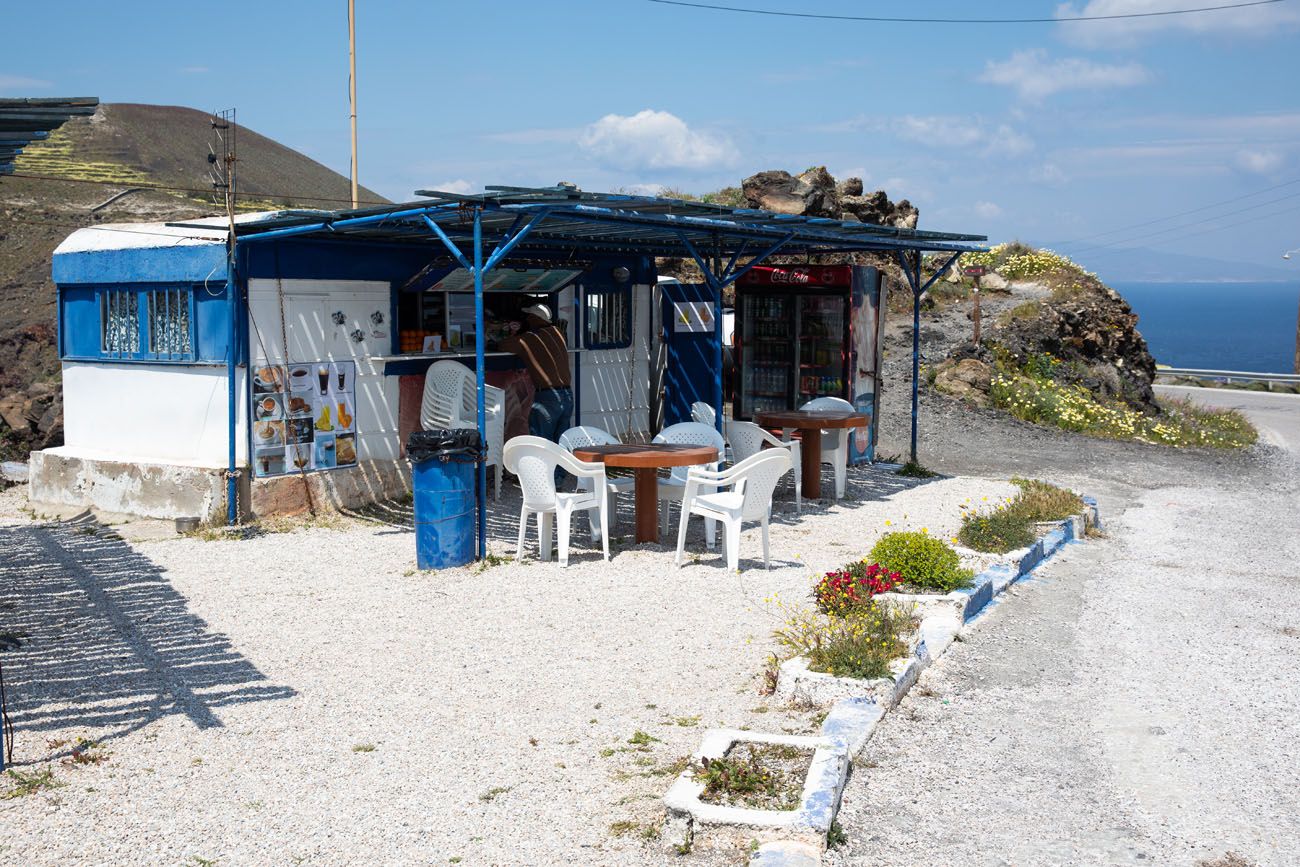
{"x":304,"y":417}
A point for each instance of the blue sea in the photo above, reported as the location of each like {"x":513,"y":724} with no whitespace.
{"x":1225,"y":326}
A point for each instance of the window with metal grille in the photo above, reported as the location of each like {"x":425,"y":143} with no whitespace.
{"x":169,"y":324}
{"x":119,"y":323}
{"x":608,"y":317}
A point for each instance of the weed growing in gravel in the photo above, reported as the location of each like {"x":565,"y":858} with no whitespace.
{"x":623,"y":827}
{"x":86,"y":752}
{"x":491,"y":561}
{"x":30,"y":784}
{"x":914,"y":470}
{"x":861,"y":642}
{"x":921,"y":560}
{"x":642,"y":741}
{"x":687,"y":721}
{"x":766,"y":776}
{"x":836,"y":837}
{"x":363,"y":748}
{"x":771,"y":674}
{"x":492,"y":793}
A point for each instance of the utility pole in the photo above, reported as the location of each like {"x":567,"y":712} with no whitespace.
{"x":352,"y":89}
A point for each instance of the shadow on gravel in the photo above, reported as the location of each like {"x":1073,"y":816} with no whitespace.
{"x":863,"y":483}
{"x":109,"y":643}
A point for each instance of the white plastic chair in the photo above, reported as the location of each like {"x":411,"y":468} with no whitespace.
{"x":747,"y":439}
{"x":451,"y":401}
{"x":534,"y":460}
{"x":750,"y":499}
{"x":582,"y":436}
{"x":835,"y":443}
{"x":670,"y":489}
{"x":702,"y":413}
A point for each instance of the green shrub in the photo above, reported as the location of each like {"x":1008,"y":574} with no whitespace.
{"x":921,"y":560}
{"x":860,"y":642}
{"x":1011,"y":525}
{"x":1041,"y":501}
{"x":1000,"y":530}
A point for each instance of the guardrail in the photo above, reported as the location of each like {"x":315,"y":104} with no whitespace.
{"x":1229,"y":375}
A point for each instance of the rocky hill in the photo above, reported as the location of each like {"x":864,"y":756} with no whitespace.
{"x":67,"y":181}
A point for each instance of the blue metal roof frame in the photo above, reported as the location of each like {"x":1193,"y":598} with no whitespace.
{"x":527,"y":221}
{"x":567,"y":219}
{"x":23,"y":121}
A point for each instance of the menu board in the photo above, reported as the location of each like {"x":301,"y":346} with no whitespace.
{"x":304,"y":417}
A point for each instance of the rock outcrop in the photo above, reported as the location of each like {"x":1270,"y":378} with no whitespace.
{"x":1084,"y":334}
{"x":816,"y":194}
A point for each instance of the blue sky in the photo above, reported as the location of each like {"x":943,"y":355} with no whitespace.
{"x":1048,"y":132}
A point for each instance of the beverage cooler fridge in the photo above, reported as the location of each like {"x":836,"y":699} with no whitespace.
{"x":804,"y":332}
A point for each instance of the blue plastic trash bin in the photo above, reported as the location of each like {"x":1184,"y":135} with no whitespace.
{"x":443,"y":473}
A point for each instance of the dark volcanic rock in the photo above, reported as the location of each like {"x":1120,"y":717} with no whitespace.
{"x":1093,"y":332}
{"x":816,"y":194}
{"x":810,"y":194}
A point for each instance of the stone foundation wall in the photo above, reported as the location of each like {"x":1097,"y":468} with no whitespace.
{"x":169,"y":491}
{"x":148,"y":490}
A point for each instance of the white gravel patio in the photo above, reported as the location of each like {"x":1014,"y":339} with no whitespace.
{"x":236,"y":685}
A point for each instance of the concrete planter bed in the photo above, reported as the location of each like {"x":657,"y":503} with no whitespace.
{"x":793,"y":838}
{"x":691,"y":822}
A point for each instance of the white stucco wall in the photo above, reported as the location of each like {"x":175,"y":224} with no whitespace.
{"x":309,"y":307}
{"x":149,"y":413}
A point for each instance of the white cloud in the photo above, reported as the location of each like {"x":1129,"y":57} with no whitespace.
{"x":1005,"y":141}
{"x":1260,"y":162}
{"x":1048,"y":173}
{"x":654,"y":140}
{"x":987,"y":210}
{"x":963,"y":132}
{"x":1253,"y":21}
{"x":16,"y":84}
{"x":459,"y":186}
{"x":1034,"y":76}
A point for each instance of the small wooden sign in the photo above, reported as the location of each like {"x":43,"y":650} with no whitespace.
{"x":974,"y":270}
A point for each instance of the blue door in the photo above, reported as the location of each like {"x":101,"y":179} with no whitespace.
{"x":692,"y":336}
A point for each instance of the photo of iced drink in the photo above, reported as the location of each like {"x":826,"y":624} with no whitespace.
{"x":323,"y":377}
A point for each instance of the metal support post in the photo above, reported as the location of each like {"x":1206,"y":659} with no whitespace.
{"x":479,"y":379}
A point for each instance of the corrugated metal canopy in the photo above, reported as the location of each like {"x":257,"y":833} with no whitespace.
{"x":23,"y":121}
{"x":570,"y":220}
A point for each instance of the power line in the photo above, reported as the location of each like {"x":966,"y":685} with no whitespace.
{"x":1233,"y":225}
{"x":1179,"y":214}
{"x":892,"y":20}
{"x":1187,"y":225}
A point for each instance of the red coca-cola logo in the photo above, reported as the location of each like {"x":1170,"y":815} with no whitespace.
{"x":780,"y":275}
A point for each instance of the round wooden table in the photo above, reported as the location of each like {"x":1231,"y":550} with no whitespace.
{"x":810,"y":423}
{"x":645,"y":460}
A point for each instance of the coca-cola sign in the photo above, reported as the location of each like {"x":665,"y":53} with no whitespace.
{"x":825,"y":275}
{"x":781,"y":275}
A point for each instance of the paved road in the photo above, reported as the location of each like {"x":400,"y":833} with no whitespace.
{"x":1136,"y":702}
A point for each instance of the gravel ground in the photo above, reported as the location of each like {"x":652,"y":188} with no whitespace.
{"x":237,"y":687}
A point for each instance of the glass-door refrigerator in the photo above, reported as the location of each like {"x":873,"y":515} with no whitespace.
{"x":765,"y":346}
{"x":805,"y":332}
